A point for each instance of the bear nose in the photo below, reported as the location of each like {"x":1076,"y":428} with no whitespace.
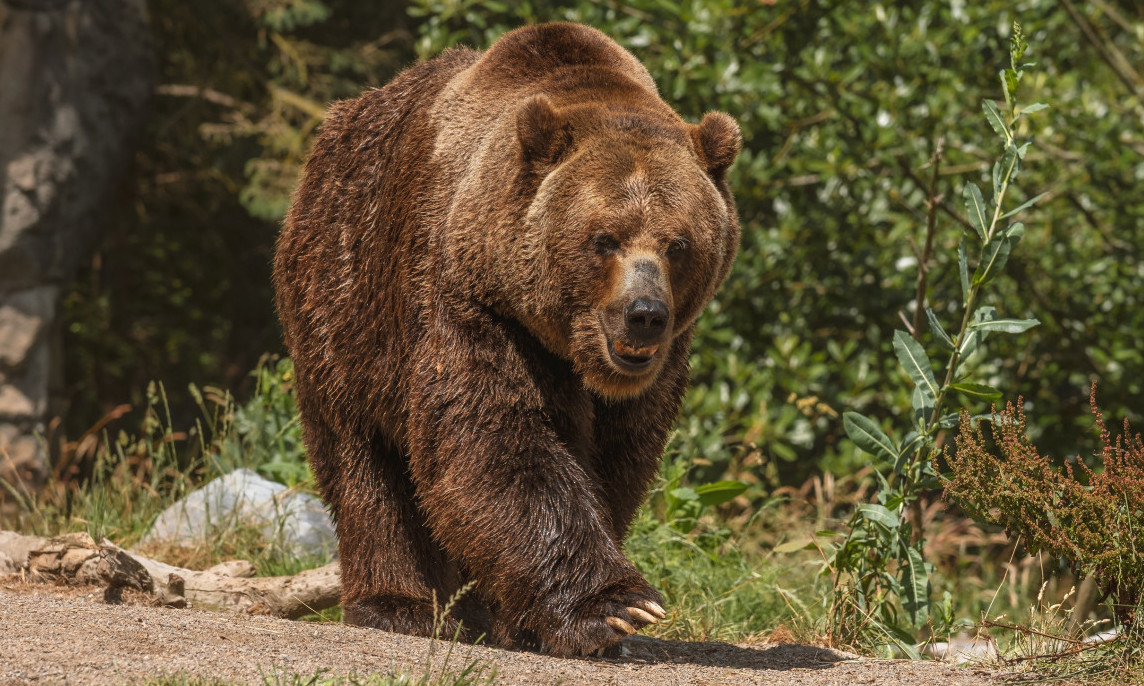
{"x":646,"y":319}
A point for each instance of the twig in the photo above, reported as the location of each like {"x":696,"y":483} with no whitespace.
{"x":179,"y":90}
{"x":932,"y":201}
{"x":990,"y":624}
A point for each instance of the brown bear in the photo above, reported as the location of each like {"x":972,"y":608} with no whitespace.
{"x":488,"y":280}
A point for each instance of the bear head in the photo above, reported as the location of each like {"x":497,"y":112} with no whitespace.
{"x":636,"y":229}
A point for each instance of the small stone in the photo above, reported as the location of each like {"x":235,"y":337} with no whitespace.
{"x":22,"y":172}
{"x":17,"y":215}
{"x":15,"y":404}
{"x":18,"y":331}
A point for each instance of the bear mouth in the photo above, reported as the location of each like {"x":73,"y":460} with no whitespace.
{"x":630,"y":358}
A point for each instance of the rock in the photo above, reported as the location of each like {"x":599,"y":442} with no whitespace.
{"x":17,"y":333}
{"x":14,"y":551}
{"x":297,"y":521}
{"x":21,"y":458}
{"x":962,"y":649}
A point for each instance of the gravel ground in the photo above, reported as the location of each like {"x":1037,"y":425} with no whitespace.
{"x":52,"y":635}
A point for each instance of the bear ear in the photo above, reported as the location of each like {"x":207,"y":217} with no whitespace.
{"x":544,"y":135}
{"x":718,"y":140}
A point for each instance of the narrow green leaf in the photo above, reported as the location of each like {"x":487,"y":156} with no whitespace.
{"x":879,"y":515}
{"x":684,"y":494}
{"x":719,"y":492}
{"x":1009,"y":81}
{"x":975,"y":337}
{"x":954,"y":419}
{"x":963,"y":268}
{"x":1006,"y":325}
{"x":1024,"y":206}
{"x":915,"y":586}
{"x":977,"y":390}
{"x":794,"y":546}
{"x":1035,"y":107}
{"x":1005,"y":170}
{"x":975,"y":208}
{"x":1015,"y":233}
{"x":993,"y":116}
{"x":912,"y":440}
{"x":923,"y":404}
{"x":993,"y":259}
{"x":936,"y":328}
{"x":915,"y":362}
{"x":867,"y":436}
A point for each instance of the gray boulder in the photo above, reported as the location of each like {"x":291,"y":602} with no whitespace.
{"x":297,"y":521}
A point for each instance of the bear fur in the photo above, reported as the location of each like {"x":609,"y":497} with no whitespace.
{"x":488,"y":281}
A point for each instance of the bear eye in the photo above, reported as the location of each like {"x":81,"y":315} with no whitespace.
{"x":677,"y":247}
{"x":605,"y":244}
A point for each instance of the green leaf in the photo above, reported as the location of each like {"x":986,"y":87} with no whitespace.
{"x":879,"y":515}
{"x":976,"y":390}
{"x":975,"y":208}
{"x":1006,"y":325}
{"x":1005,"y":170}
{"x":975,"y":337}
{"x":993,"y":259}
{"x":936,"y":328}
{"x":684,"y":494}
{"x":795,"y":545}
{"x":915,"y":362}
{"x":1015,"y":233}
{"x":963,"y":268}
{"x":954,"y":419}
{"x":1009,"y":80}
{"x":1024,"y":206}
{"x":1035,"y":107}
{"x":867,"y":436}
{"x":993,"y":116}
{"x":719,"y":492}
{"x":915,"y":585}
{"x":923,"y":404}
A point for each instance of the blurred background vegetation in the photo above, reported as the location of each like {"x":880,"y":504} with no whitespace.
{"x":840,"y":104}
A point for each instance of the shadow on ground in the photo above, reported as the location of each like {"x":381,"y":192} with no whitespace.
{"x":716,"y":654}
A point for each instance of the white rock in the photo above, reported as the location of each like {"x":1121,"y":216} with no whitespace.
{"x":961,"y":650}
{"x":295,"y":520}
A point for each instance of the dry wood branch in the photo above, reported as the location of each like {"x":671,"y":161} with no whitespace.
{"x":78,"y":558}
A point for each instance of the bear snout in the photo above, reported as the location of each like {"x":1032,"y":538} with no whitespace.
{"x":646,"y":320}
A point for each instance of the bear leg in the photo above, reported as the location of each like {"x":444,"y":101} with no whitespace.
{"x":394,"y":575}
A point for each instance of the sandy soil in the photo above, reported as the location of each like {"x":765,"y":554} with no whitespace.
{"x":51,"y":635}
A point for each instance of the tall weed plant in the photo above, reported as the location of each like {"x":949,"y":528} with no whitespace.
{"x":881,"y":580}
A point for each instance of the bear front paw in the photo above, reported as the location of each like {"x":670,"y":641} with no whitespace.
{"x":602,"y":621}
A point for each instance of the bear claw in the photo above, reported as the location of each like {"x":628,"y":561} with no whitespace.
{"x":642,"y":615}
{"x":654,"y":608}
{"x":620,"y":625}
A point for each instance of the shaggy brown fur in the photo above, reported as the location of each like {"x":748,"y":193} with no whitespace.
{"x":488,"y":280}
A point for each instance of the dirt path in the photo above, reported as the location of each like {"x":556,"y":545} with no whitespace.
{"x":59,"y":636}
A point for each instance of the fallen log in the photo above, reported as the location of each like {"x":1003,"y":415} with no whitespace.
{"x":76,"y":558}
